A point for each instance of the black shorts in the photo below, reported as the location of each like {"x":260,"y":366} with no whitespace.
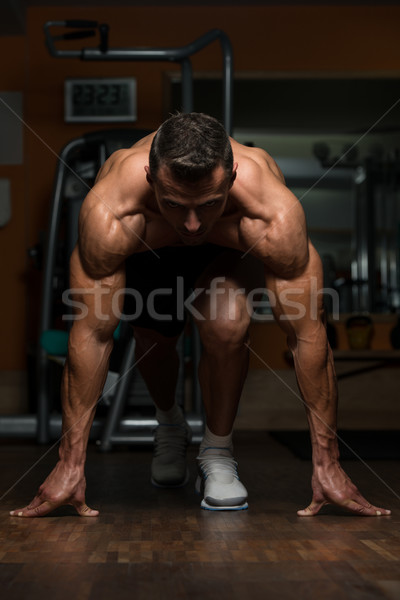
{"x":158,"y":283}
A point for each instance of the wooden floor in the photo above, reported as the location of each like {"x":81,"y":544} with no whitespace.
{"x":158,"y":544}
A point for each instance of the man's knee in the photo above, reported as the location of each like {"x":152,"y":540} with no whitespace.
{"x":226,"y":322}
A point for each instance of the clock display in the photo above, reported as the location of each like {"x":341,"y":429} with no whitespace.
{"x":100,"y":100}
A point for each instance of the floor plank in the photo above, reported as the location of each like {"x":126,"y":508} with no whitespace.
{"x":153,"y":543}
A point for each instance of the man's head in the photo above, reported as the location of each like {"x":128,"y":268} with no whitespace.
{"x":191,"y":146}
{"x":191,"y":171}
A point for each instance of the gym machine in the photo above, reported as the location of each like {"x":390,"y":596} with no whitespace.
{"x":375,"y":274}
{"x":77,"y":166}
{"x":181,"y":55}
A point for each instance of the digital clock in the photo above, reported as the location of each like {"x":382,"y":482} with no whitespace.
{"x":103,"y":100}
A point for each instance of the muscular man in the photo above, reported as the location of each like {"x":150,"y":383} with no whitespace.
{"x":189,"y":206}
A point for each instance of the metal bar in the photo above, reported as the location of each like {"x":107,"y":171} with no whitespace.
{"x":361,"y":272}
{"x":118,"y":403}
{"x":394,"y":239}
{"x":176,"y":54}
{"x":140,"y":437}
{"x":227,"y":53}
{"x":370,"y":188}
{"x":179,"y":54}
{"x":141,"y":430}
{"x":55,"y":217}
{"x":384,"y":233}
{"x":25,"y":426}
{"x":47,"y":292}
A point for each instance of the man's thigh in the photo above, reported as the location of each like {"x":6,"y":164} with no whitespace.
{"x":228,"y":282}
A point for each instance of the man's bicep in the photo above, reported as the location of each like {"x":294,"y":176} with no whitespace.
{"x":297,"y":301}
{"x":288,"y":246}
{"x":101,"y":300}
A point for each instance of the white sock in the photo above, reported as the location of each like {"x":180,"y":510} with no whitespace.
{"x":172,"y":416}
{"x":215,"y":442}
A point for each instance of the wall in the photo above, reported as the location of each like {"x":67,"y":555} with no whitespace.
{"x":264,"y":39}
{"x":13,"y":237}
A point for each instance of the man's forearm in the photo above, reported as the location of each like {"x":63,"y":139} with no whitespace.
{"x":317,"y":382}
{"x":84,"y":376}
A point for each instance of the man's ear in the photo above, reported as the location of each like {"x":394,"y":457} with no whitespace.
{"x":148,"y":176}
{"x":234,"y":173}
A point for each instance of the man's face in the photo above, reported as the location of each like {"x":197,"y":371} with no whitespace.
{"x":192,"y":208}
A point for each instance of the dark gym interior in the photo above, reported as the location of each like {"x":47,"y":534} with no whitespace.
{"x":317,"y":85}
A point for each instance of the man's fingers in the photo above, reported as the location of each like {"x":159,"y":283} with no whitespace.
{"x":85,"y":511}
{"x":33,"y":511}
{"x":366,"y":510}
{"x":40,"y":509}
{"x":312,"y":509}
{"x":369,"y":509}
{"x":37,"y":501}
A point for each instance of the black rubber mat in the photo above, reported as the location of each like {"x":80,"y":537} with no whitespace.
{"x":352,"y":444}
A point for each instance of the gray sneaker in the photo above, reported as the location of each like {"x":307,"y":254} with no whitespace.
{"x":168,"y":467}
{"x":219,"y":482}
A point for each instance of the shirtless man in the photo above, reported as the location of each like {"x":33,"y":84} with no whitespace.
{"x":189,"y":202}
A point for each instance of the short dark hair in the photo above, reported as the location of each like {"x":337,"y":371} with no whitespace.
{"x":191,"y":145}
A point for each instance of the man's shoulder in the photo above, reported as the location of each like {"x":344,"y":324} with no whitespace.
{"x":121,"y":190}
{"x":259,"y":190}
{"x":109,"y":231}
{"x":272,"y":226}
{"x":126,"y":164}
{"x":112,"y":222}
{"x":256,"y":162}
